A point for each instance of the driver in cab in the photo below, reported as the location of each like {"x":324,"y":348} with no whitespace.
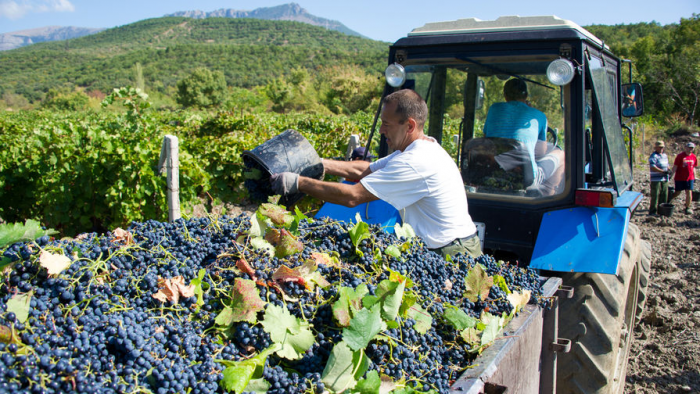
{"x":516,"y":119}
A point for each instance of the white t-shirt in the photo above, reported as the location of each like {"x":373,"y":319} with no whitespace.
{"x":424,"y":184}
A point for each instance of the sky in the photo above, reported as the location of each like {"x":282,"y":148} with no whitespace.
{"x":380,"y":20}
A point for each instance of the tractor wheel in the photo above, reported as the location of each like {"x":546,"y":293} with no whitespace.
{"x":644,"y":272}
{"x":599,"y":320}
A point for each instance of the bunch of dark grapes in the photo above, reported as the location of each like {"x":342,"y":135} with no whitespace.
{"x":96,"y":327}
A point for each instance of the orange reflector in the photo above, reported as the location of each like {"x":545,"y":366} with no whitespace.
{"x":595,"y":198}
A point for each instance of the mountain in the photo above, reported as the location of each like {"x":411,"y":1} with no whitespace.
{"x":42,"y":34}
{"x":285,"y":12}
{"x":250,"y":52}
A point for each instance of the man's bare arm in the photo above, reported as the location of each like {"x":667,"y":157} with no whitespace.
{"x":356,"y":169}
{"x":337,"y":193}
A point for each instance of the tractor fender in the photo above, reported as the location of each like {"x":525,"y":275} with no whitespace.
{"x":584,"y":239}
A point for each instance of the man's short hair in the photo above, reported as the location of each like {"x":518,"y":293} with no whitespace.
{"x":409,"y":104}
{"x":515,"y":89}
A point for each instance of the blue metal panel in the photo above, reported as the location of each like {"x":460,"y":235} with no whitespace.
{"x":374,"y":212}
{"x":582,"y":239}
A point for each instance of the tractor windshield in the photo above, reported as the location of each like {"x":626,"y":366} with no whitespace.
{"x":506,"y":147}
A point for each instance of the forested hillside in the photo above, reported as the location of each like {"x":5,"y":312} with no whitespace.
{"x":249,"y":52}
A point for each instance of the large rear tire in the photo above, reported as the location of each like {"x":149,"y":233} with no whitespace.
{"x":599,"y":320}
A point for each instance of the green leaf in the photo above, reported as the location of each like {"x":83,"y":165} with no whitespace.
{"x":389,"y":294}
{"x":364,"y":326}
{"x":370,"y":384}
{"x":422,"y":318}
{"x":236,"y":378}
{"x":19,"y":304}
{"x":477,"y":284}
{"x":491,"y":331}
{"x":349,"y":301}
{"x":457,"y":318}
{"x":393,"y":251}
{"x":261,"y":244}
{"x":17,"y":232}
{"x":258,"y":386}
{"x":344,"y":368}
{"x":198,"y":284}
{"x":288,"y":245}
{"x":405,"y":231}
{"x":292,"y":333}
{"x":470,"y":336}
{"x":359,"y":232}
{"x":500,"y":281}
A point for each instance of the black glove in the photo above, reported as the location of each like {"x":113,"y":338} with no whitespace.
{"x":285,"y":183}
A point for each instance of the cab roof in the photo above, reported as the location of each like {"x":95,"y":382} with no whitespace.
{"x":503,"y":24}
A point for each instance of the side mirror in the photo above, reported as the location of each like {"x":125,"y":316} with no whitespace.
{"x":632,"y":100}
{"x":480,"y":89}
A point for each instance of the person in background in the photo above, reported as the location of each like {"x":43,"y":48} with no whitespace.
{"x":684,"y":174}
{"x":516,"y":119}
{"x":419,"y":179}
{"x":658,"y":175}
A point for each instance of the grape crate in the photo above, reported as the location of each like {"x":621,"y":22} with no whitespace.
{"x":275,"y":303}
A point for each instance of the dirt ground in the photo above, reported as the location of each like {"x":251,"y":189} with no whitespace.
{"x":665,"y":353}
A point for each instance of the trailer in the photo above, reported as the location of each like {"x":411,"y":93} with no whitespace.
{"x":575,"y":229}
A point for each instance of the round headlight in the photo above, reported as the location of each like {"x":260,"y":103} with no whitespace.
{"x":560,"y":72}
{"x":395,"y":75}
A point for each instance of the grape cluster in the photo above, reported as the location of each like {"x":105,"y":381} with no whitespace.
{"x":96,"y":327}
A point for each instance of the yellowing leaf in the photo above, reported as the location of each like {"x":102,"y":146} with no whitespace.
{"x":519,"y":300}
{"x":54,"y":263}
{"x":477,"y":284}
{"x":172,"y":289}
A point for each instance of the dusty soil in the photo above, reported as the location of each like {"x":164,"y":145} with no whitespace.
{"x":665,"y":353}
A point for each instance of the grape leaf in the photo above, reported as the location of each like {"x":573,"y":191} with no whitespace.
{"x":500,"y":281}
{"x":278,"y":215}
{"x":422,"y":318}
{"x":393,"y":251}
{"x":291,"y":333}
{"x":349,"y":301}
{"x":258,"y":386}
{"x":54,"y":263}
{"x":409,"y":299}
{"x":304,"y":274}
{"x":490,"y":333}
{"x":171,"y":289}
{"x":236,"y":378}
{"x":364,"y":326}
{"x":198,"y":284}
{"x":405,"y":231}
{"x":19,"y":304}
{"x":470,"y":335}
{"x":389,"y":294}
{"x":519,"y":300}
{"x":121,"y":235}
{"x":370,"y":384}
{"x":287,"y":244}
{"x":457,"y":318}
{"x":258,"y":226}
{"x":359,"y":232}
{"x":259,"y":243}
{"x":477,"y":284}
{"x":243,"y":265}
{"x":17,"y":232}
{"x":246,"y":301}
{"x":344,"y":368}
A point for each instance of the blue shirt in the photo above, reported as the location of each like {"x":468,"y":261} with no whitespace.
{"x":659,"y":160}
{"x":519,"y":121}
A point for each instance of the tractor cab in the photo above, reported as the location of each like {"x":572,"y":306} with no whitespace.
{"x":580,"y":157}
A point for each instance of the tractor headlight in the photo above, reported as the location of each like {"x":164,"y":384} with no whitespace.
{"x":395,"y":75}
{"x":560,"y":72}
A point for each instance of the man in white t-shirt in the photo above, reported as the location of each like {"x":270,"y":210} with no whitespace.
{"x":419,"y":179}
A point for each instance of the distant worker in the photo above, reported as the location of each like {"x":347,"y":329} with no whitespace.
{"x":516,"y":119}
{"x":659,"y":176}
{"x":420,"y":179}
{"x":684,"y":174}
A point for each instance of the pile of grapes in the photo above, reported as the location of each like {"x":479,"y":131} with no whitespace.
{"x":277,"y":303}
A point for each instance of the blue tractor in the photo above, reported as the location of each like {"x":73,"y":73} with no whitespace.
{"x":579,"y":228}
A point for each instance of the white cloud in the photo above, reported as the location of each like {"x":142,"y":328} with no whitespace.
{"x":15,"y":9}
